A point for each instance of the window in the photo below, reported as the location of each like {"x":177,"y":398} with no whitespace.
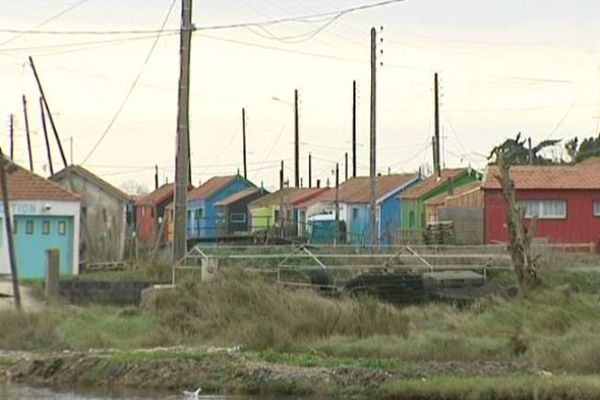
{"x":46,"y":228}
{"x":354,"y":213}
{"x":62,"y":228}
{"x":544,"y":209}
{"x":411,"y":219}
{"x":276,"y":216}
{"x":29,"y":227}
{"x":238,"y":218}
{"x":596,"y":208}
{"x":198,"y":213}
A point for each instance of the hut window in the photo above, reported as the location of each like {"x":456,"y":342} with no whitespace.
{"x":544,"y":209}
{"x":596,"y":208}
{"x":198,"y":213}
{"x":238,"y":217}
{"x":46,"y":228}
{"x":62,"y":228}
{"x":29,"y":227}
{"x":354,"y":213}
{"x":411,"y":219}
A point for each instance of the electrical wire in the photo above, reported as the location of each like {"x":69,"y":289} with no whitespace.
{"x":46,"y":21}
{"x":133,"y":85}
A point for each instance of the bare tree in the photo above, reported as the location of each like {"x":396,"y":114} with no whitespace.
{"x":520,"y":236}
{"x":134,"y":188}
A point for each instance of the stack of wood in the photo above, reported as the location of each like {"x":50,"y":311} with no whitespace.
{"x":439,"y":233}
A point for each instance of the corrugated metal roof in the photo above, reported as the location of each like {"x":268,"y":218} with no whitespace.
{"x":91,"y":177}
{"x":358,"y":189}
{"x":211,"y":186}
{"x":431,"y":182}
{"x":290,"y":196}
{"x":578,"y":176}
{"x":237,"y":197}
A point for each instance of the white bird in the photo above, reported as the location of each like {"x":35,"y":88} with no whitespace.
{"x":194,"y":394}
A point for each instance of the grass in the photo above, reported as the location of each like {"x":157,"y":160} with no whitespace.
{"x":513,"y":388}
{"x":554,"y":328}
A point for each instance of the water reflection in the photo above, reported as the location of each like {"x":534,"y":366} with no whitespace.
{"x":28,"y":393}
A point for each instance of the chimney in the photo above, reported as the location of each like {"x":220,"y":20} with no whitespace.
{"x":318,"y":183}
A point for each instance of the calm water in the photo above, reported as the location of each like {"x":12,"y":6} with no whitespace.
{"x":27,"y":393}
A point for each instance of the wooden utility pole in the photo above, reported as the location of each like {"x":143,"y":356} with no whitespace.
{"x":46,"y":140}
{"x":244,"y":142}
{"x":354,"y":128}
{"x":50,"y":118}
{"x":437,"y":159}
{"x":27,"y":133}
{"x":530,"y":151}
{"x":155,"y":177}
{"x":281,"y":176}
{"x":337,"y":202}
{"x":296,"y":141}
{"x":182,"y":162}
{"x":373,"y":152}
{"x":9,"y":233}
{"x":309,"y":170}
{"x":346,"y":166}
{"x":12,"y":137}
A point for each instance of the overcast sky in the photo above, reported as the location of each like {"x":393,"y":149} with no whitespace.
{"x":505,"y":66}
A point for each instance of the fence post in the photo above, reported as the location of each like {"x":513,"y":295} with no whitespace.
{"x":52,"y":276}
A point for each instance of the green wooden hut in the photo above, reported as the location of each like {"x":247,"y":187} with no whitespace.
{"x":413,"y":200}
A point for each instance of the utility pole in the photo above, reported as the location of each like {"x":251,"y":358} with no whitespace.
{"x":354,"y":129}
{"x":50,"y":118}
{"x":182,"y":162}
{"x":373,"y":152}
{"x":281,"y":176}
{"x":46,"y":140}
{"x":155,"y":177}
{"x":309,"y":170}
{"x":27,"y":133}
{"x":244,"y":142}
{"x":346,"y":166}
{"x":437,"y":161}
{"x":9,"y":233}
{"x":296,"y":141}
{"x":337,"y":202}
{"x":530,"y":151}
{"x":12,"y":137}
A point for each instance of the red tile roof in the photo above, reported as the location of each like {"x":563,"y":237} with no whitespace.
{"x":237,"y":196}
{"x":160,"y":195}
{"x":84,"y":173}
{"x":441,"y":198}
{"x":578,"y":176}
{"x":430,"y":183}
{"x":25,"y":185}
{"x":357,"y":190}
{"x":211,"y":186}
{"x":290,"y":196}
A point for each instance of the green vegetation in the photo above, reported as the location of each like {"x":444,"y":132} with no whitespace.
{"x":553,"y":328}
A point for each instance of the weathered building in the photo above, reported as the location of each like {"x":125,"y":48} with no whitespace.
{"x":44,"y":216}
{"x":232,"y":211}
{"x":150,"y":215}
{"x":103,"y":214}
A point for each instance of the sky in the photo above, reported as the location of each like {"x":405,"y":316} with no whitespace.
{"x":505,"y":66}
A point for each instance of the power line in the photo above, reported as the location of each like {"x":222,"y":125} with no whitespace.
{"x":133,"y":85}
{"x":46,"y":21}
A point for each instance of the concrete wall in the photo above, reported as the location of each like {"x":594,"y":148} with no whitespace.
{"x":103,"y":292}
{"x":468,"y":224}
{"x":41,"y":208}
{"x":103,"y":220}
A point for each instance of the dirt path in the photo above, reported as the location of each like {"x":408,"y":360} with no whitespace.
{"x":28,"y":301}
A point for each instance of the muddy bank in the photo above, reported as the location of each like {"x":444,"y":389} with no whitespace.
{"x":222,"y":371}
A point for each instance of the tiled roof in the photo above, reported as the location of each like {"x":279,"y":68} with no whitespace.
{"x":579,"y":176}
{"x":237,"y":196}
{"x":211,"y":186}
{"x":289,"y":196}
{"x":358,"y":189}
{"x":431,"y":182}
{"x":163,"y":193}
{"x":441,"y":198}
{"x":89,"y":176}
{"x":25,"y":185}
